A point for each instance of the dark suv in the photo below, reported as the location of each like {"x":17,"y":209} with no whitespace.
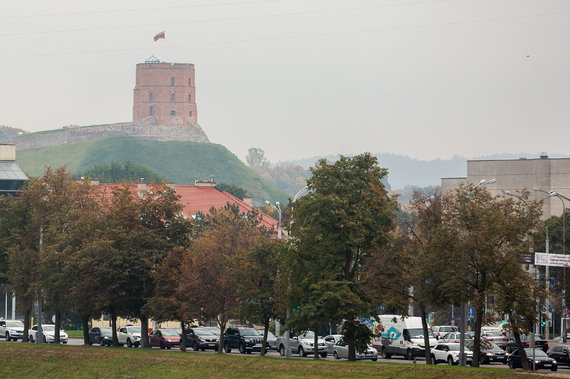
{"x":244,"y":339}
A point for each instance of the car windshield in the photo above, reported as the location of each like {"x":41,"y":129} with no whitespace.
{"x":493,"y":334}
{"x":249,"y":332}
{"x":48,"y":328}
{"x":270,"y":335}
{"x":453,"y":347}
{"x":537,"y":353}
{"x":446,"y":329}
{"x":133,"y":329}
{"x":202,"y":332}
{"x":310,"y":335}
{"x":106,"y":330}
{"x":14,"y":324}
{"x":169,"y":332}
{"x":419,"y":333}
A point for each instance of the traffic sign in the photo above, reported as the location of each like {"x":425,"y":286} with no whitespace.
{"x":552,"y":282}
{"x":471,"y":312}
{"x":545,"y":259}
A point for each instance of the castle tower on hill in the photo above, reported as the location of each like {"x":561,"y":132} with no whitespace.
{"x":165,"y":91}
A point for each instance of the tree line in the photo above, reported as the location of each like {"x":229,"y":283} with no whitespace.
{"x":351,"y":249}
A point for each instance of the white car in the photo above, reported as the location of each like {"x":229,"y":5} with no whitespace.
{"x":449,"y":352}
{"x":12,"y":329}
{"x":129,"y":335}
{"x":48,"y":331}
{"x":340,"y":350}
{"x":331,"y":340}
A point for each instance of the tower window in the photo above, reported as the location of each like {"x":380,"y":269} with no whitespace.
{"x":189,"y":98}
{"x":190,"y":113}
{"x":172,"y":81}
{"x":189,"y":82}
{"x":173,"y":113}
{"x":172,"y":97}
{"x":151,"y":111}
{"x":150,"y":97}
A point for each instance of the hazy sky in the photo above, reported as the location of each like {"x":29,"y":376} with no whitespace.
{"x":301,"y":78}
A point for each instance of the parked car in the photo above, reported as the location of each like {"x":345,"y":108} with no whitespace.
{"x":449,"y":352}
{"x":539,"y":342}
{"x":102,"y":335}
{"x":403,"y":336}
{"x":303,"y":345}
{"x":271,"y":340}
{"x":454,"y":337}
{"x":164,"y":338}
{"x":201,"y":339}
{"x":560,"y":353}
{"x":331,"y":340}
{"x":490,"y":351}
{"x":496,"y":337}
{"x":541,"y":360}
{"x":129,"y":335}
{"x":48,"y":331}
{"x":340,"y":350}
{"x":441,"y":330}
{"x":213,"y":329}
{"x":12,"y":329}
{"x":245,"y":339}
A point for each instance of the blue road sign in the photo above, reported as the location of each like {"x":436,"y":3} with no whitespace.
{"x":552,"y":282}
{"x":471,"y":312}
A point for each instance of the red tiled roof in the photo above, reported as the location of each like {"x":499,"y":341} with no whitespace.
{"x":196,"y":199}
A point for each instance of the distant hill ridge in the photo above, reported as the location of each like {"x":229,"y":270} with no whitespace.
{"x":405,"y":171}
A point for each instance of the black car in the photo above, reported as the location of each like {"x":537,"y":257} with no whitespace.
{"x":244,"y":339}
{"x":490,"y":352}
{"x":560,"y":353}
{"x":201,"y":339}
{"x":103,"y":335}
{"x":541,"y":360}
{"x":539,"y":342}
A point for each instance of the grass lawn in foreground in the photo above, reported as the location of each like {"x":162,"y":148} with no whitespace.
{"x":55,"y":361}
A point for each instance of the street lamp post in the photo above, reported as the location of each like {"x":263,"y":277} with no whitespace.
{"x":562,"y":198}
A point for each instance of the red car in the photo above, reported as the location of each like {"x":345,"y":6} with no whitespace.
{"x":165,"y":338}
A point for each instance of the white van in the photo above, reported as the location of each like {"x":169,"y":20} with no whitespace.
{"x":397,"y":335}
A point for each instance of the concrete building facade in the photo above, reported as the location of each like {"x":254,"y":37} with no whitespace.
{"x":544,"y":173}
{"x":165,"y":91}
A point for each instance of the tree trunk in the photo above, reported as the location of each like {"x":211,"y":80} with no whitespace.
{"x":114,"y":327}
{"x":144,"y":332}
{"x":316,"y":345}
{"x":85,"y":327}
{"x":524,"y":359}
{"x":222,"y":325}
{"x":265,"y":331}
{"x":26,"y":336}
{"x":183,"y":336}
{"x":351,"y":326}
{"x":427,"y":348}
{"x":479,"y":305}
{"x":56,"y":338}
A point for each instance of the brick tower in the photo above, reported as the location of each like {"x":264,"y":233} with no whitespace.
{"x":165,"y":91}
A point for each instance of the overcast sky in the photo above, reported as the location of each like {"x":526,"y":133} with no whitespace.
{"x":428,"y":79}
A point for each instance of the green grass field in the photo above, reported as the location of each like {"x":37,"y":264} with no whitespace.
{"x":53,"y":361}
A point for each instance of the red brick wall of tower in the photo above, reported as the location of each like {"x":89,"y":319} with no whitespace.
{"x":164,"y":90}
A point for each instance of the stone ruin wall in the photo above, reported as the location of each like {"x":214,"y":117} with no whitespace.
{"x":146,"y":129}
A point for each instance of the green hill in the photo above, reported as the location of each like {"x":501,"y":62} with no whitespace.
{"x":179,"y":162}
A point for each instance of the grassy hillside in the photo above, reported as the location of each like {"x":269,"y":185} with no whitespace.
{"x":179,"y":162}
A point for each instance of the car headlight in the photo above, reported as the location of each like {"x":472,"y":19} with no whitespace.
{"x":416,"y":344}
{"x":553,"y":362}
{"x":490,"y":354}
{"x":537,"y":362}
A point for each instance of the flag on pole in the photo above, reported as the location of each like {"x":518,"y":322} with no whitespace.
{"x":159,"y":36}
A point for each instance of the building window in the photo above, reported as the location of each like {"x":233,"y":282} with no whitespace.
{"x":150,"y":98}
{"x":190,"y":113}
{"x":189,"y":82}
{"x":173,"y":113}
{"x":151,"y":111}
{"x":189,"y":98}
{"x":172,"y":81}
{"x":171,"y":97}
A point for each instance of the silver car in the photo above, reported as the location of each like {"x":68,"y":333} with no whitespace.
{"x":496,"y":337}
{"x":331,"y":340}
{"x":48,"y":331}
{"x":340,"y":350}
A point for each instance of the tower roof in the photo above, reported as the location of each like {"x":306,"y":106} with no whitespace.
{"x":152,"y":59}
